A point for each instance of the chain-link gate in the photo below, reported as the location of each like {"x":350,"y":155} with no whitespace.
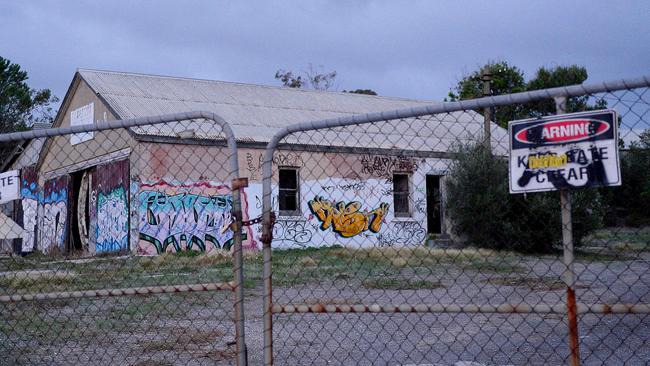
{"x":397,"y":242}
{"x":129,"y":231}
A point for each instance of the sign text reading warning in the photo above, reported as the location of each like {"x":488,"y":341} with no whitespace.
{"x":575,"y":150}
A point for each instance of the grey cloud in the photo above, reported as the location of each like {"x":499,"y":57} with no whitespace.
{"x":412,"y":49}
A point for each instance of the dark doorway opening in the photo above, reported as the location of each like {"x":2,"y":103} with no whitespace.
{"x":79,"y":212}
{"x":434,"y":213}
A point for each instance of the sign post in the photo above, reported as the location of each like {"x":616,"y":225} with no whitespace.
{"x":565,"y":152}
{"x":9,"y":186}
{"x":567,"y":245}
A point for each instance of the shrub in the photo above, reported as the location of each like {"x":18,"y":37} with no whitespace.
{"x":484,"y":212}
{"x":629,"y":204}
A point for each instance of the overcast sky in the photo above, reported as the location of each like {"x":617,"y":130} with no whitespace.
{"x":416,"y":49}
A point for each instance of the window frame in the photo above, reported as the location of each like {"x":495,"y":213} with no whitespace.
{"x":297,"y":211}
{"x":408,"y":192}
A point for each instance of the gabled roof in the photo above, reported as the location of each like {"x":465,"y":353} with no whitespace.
{"x":255,"y":112}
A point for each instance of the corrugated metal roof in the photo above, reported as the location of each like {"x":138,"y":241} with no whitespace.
{"x":257,"y":112}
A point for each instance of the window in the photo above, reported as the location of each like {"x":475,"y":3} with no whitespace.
{"x":289,"y":193}
{"x":401,"y":194}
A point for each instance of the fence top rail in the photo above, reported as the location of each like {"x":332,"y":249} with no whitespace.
{"x":123,"y":123}
{"x":470,"y":104}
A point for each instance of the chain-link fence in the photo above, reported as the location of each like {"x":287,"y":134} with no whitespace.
{"x":123,"y":245}
{"x":396,"y":240}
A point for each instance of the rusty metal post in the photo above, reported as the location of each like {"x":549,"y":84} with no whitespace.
{"x":267,"y":239}
{"x":569,"y":275}
{"x":238,"y":268}
{"x":486,"y":77}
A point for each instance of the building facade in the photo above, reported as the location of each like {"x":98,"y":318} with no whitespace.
{"x":165,"y":188}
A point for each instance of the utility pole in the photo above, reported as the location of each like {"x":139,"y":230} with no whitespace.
{"x":486,"y":77}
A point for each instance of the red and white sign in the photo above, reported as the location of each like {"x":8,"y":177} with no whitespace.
{"x":576,"y":150}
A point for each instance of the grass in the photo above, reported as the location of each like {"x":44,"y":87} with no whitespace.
{"x":622,"y":239}
{"x":159,"y":321}
{"x":291,"y":267}
{"x":298,"y":267}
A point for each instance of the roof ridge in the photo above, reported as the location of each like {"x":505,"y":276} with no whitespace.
{"x":292,"y":90}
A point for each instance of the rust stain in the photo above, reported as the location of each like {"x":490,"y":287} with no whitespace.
{"x":607,"y":309}
{"x":573,"y":327}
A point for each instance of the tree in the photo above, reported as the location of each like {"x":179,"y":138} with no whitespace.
{"x":20,"y":105}
{"x":361,"y":91}
{"x":629,"y":203}
{"x":508,"y":79}
{"x":556,"y":77}
{"x":311,"y":78}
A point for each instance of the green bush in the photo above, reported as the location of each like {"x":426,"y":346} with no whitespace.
{"x":629,"y":204}
{"x":484,"y":212}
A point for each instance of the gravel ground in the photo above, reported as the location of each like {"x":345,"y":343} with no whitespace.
{"x":196,"y":328}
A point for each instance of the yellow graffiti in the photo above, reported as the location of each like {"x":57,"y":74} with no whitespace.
{"x":346,"y":219}
{"x":547,"y":161}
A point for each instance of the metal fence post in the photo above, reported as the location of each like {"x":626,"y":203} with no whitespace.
{"x":569,"y":275}
{"x":238,"y":268}
{"x":267,"y":238}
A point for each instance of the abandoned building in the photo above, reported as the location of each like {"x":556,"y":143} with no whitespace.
{"x":161,"y":188}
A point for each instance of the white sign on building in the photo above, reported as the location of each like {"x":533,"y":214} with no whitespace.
{"x":576,"y":150}
{"x":82,"y":116}
{"x":9,"y":186}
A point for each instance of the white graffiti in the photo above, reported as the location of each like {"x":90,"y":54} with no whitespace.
{"x":29,"y":222}
{"x":54,"y":219}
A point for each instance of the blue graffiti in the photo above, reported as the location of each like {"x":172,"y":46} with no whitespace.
{"x":194,"y":220}
{"x":112,"y":221}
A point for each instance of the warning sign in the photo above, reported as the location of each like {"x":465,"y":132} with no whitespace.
{"x":575,"y":150}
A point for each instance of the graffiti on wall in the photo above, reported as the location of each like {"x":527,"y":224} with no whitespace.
{"x":29,"y":203}
{"x":110,"y":206}
{"x":346,"y":219}
{"x":254,"y":162}
{"x":355,"y":187}
{"x":384,"y":166}
{"x":55,"y":212}
{"x":112,"y":221}
{"x":296,"y":231}
{"x":186,"y":217}
{"x":401,"y":233}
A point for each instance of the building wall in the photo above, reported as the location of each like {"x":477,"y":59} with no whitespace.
{"x":182,"y":199}
{"x":61,"y":157}
{"x":345,"y":199}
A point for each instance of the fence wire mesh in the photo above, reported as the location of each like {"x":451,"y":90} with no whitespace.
{"x":397,"y":242}
{"x":394,"y":242}
{"x":122,"y":248}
